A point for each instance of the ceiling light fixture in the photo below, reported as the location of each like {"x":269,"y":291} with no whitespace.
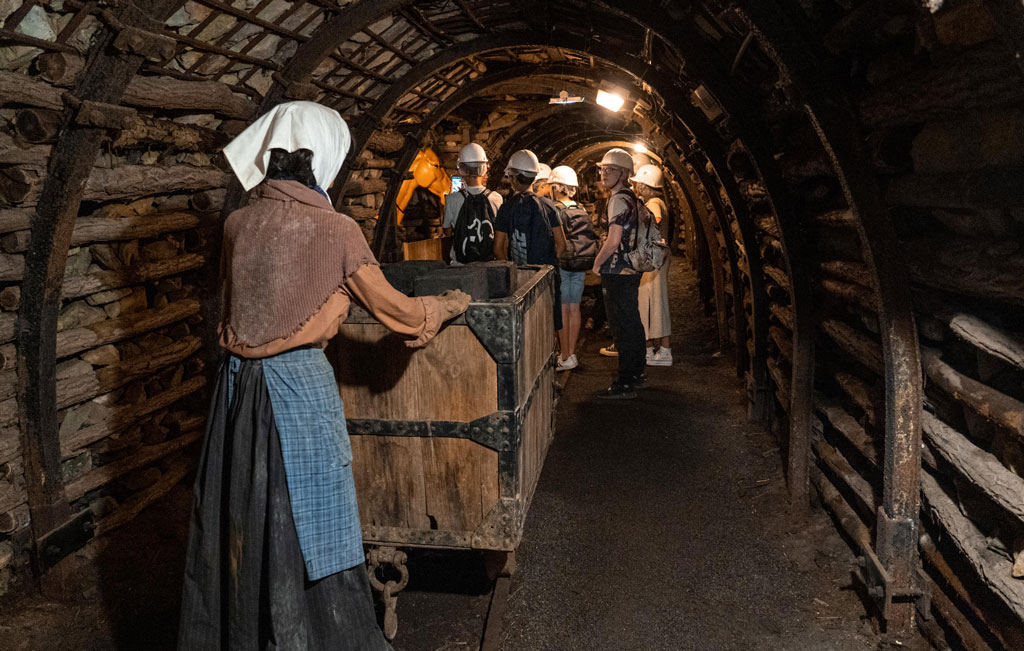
{"x":610,"y":100}
{"x":640,"y":148}
{"x":565,"y":98}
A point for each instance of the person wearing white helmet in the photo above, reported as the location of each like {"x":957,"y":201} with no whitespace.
{"x":527,"y":230}
{"x":540,"y":184}
{"x":653,"y":293}
{"x":619,"y":282}
{"x":473,"y":168}
{"x":581,"y":248}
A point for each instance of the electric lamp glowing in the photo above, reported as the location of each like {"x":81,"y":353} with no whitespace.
{"x":640,"y":148}
{"x":611,"y":101}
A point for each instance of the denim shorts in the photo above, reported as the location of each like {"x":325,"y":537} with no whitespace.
{"x":572,"y":286}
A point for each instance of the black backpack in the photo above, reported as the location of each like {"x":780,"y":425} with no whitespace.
{"x":581,"y":244}
{"x":473,"y":236}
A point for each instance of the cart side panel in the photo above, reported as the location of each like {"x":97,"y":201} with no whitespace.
{"x":537,"y":435}
{"x":538,"y":343}
{"x":453,"y":378}
{"x":424,"y":483}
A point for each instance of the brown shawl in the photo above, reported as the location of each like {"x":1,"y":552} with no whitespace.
{"x":284,"y":255}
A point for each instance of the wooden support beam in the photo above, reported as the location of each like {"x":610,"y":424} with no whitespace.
{"x":861,"y":395}
{"x":982,"y":469}
{"x":105,"y":229}
{"x":845,"y":516}
{"x":24,"y":90}
{"x":783,"y":342}
{"x":144,"y":456}
{"x":989,"y":339}
{"x":854,"y":295}
{"x":993,"y":405}
{"x":983,"y":269}
{"x":848,"y":427}
{"x":783,"y":315}
{"x":838,"y":466}
{"x":855,"y":344}
{"x":852,"y":272}
{"x":99,"y":281}
{"x":992,"y":569}
{"x":171,"y":476}
{"x":71,"y":342}
{"x":948,"y":609}
{"x":123,"y":418}
{"x":79,"y":388}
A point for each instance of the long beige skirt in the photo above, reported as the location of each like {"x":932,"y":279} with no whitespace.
{"x":653,"y":297}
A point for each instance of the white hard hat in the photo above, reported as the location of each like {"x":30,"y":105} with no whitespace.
{"x":648,"y":175}
{"x":619,"y":158}
{"x":543,"y":171}
{"x":472,"y":153}
{"x":565,"y":175}
{"x":525,"y":162}
{"x":639,"y":160}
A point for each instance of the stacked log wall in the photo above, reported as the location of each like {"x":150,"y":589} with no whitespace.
{"x":941,"y":103}
{"x":132,"y":369}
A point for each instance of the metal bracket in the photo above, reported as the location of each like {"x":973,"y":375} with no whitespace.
{"x":97,"y":114}
{"x":893,"y":537}
{"x":137,"y":33}
{"x":493,"y":431}
{"x":66,"y":539}
{"x":500,"y":528}
{"x":376,"y":557}
{"x":496,"y":328}
{"x":296,"y":89}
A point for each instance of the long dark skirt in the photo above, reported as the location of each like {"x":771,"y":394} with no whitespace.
{"x":245,"y":580}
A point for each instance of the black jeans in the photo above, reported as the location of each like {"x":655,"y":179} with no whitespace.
{"x":620,"y":303}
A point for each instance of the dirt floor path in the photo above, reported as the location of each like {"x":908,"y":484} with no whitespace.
{"x":662,"y":523}
{"x":658,"y":524}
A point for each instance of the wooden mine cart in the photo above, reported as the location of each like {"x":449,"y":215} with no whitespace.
{"x":448,"y":440}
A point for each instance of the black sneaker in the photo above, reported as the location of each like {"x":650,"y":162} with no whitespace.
{"x":618,"y":391}
{"x":641,"y":381}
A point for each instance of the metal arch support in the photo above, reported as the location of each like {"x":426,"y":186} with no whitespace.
{"x":328,"y":37}
{"x":838,"y":131}
{"x":737,"y":345}
{"x":705,"y":218}
{"x":566,"y":139}
{"x":576,"y":156}
{"x":70,"y":163}
{"x":370,"y":120}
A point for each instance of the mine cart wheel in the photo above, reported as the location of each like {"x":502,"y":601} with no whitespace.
{"x":499,"y":563}
{"x":375,"y":558}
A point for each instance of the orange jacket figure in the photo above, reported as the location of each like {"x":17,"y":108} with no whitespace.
{"x":426,"y":173}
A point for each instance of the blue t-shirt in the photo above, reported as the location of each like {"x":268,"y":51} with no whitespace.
{"x":622,"y":212}
{"x":527,"y":220}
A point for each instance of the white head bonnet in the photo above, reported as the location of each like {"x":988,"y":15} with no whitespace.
{"x":291,"y":126}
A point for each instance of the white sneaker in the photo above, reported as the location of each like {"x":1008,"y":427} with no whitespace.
{"x":661,"y":358}
{"x":650,"y":353}
{"x":567,"y":364}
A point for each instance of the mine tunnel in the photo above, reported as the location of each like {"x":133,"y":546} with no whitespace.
{"x":845,"y":181}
